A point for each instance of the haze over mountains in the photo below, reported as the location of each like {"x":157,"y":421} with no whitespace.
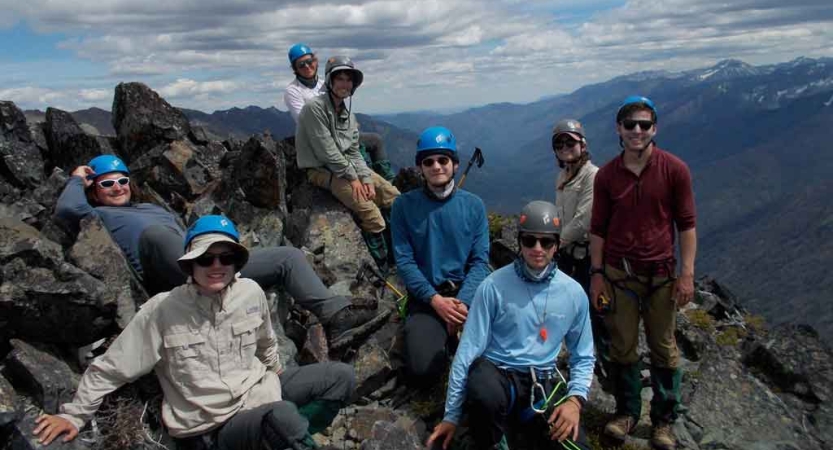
{"x":757,"y":139}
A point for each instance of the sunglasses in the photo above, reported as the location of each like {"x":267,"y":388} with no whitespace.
{"x":207,"y":259}
{"x":306,"y":63}
{"x":630,"y":124}
{"x":563,"y":144}
{"x":107,"y":184}
{"x":546,"y":242}
{"x":429,"y":162}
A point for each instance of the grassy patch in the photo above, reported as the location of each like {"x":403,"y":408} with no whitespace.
{"x":731,"y":336}
{"x":701,"y":319}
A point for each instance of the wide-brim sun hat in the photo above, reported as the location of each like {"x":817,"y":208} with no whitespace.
{"x":200,"y":244}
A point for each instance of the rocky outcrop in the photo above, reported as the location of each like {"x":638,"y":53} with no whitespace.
{"x":743,"y":386}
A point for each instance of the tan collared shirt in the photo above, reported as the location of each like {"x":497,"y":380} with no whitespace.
{"x":575,"y":204}
{"x":213,"y":356}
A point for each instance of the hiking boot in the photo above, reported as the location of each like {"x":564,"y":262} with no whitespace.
{"x":344,"y":322}
{"x":620,"y":427}
{"x":662,"y":437}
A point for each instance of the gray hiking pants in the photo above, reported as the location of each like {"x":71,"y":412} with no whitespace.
{"x":160,"y":247}
{"x":331,"y":383}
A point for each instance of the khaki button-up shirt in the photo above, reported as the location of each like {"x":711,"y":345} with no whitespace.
{"x":575,"y":204}
{"x":213,"y":356}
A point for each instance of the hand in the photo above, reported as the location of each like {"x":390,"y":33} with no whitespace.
{"x":82,"y":172}
{"x":564,"y":421}
{"x":598,"y":287}
{"x":451,"y":310}
{"x":369,"y":191}
{"x":683,"y":290}
{"x":50,"y":427}
{"x":358,"y":191}
{"x":443,"y":430}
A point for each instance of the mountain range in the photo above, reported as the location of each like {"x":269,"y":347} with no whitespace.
{"x":757,"y":140}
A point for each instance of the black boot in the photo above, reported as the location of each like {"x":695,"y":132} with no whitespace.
{"x":351,"y":322}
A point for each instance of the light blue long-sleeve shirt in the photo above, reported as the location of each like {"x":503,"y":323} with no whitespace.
{"x":503,"y":326}
{"x":439,"y":240}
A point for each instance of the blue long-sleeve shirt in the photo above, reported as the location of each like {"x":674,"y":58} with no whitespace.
{"x":125,"y":223}
{"x":438,"y":240}
{"x":503,"y":326}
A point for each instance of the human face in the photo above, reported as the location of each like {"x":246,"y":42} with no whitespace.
{"x":116,"y":195}
{"x":342,"y":84}
{"x":217,"y":276}
{"x":637,"y":139}
{"x":438,"y":170}
{"x":306,"y":66}
{"x":537,"y":257}
{"x":567,"y":148}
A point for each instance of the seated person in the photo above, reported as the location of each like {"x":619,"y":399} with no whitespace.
{"x":441,"y":243}
{"x":327,"y":144}
{"x":151,"y":239}
{"x":211,"y":344}
{"x":307,"y":85}
{"x":506,"y":360}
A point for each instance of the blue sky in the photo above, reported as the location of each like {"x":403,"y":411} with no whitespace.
{"x":430,"y":54}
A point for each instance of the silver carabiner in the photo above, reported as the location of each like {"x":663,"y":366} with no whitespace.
{"x":536,"y":386}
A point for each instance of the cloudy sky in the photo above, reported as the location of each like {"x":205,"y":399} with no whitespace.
{"x":416,"y":54}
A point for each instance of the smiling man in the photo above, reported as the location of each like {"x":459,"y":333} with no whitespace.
{"x":327,"y":143}
{"x":441,"y":244}
{"x":506,"y":360}
{"x":639,"y":200}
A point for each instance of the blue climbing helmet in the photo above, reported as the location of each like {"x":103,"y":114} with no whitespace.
{"x":298,"y":50}
{"x":636,"y":100}
{"x":211,"y":224}
{"x":105,"y":164}
{"x":436,"y":140}
{"x":207,"y":231}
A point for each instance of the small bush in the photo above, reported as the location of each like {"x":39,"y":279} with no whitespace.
{"x":731,"y":336}
{"x":701,"y":319}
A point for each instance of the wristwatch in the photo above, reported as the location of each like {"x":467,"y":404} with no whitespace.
{"x":581,"y":401}
{"x":595,"y":270}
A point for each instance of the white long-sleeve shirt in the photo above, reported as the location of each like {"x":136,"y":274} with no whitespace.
{"x":296,"y":96}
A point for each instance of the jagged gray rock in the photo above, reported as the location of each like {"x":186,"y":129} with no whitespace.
{"x":44,"y":298}
{"x":96,"y":253}
{"x":68,"y":145}
{"x":9,"y":407}
{"x":144,"y":120}
{"x":21,"y":163}
{"x":260,"y":171}
{"x":388,"y":436}
{"x":315,"y":349}
{"x":174,"y":170}
{"x":21,"y":437}
{"x":47,"y":379}
{"x":325,"y":227}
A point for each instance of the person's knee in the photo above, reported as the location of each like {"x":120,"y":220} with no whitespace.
{"x":483,"y":386}
{"x":426,"y":366}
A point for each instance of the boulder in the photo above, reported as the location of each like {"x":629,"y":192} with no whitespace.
{"x":47,"y":379}
{"x":173,"y":169}
{"x":388,"y":436}
{"x":143,"y":120}
{"x":325,"y":227}
{"x":21,"y":437}
{"x":260,"y":171}
{"x":9,"y":407}
{"x":68,"y":145}
{"x":21,"y":163}
{"x":315,"y":347}
{"x":96,"y":253}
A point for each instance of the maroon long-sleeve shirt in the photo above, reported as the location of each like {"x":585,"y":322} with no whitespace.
{"x":636,"y":215}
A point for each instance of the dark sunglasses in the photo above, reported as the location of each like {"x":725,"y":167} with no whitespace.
{"x":306,"y":62}
{"x":207,"y":259}
{"x":630,"y":124}
{"x":429,"y":162}
{"x":106,"y":184}
{"x":562,"y":144}
{"x":546,"y":242}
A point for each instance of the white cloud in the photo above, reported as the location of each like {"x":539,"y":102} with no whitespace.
{"x":31,"y":95}
{"x":415,"y":53}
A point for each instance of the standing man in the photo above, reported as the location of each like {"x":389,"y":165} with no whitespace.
{"x":307,"y":85}
{"x":506,"y":359}
{"x":327,"y":143}
{"x":639,"y":199}
{"x":441,"y":245}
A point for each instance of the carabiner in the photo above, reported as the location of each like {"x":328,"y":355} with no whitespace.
{"x":540,"y":388}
